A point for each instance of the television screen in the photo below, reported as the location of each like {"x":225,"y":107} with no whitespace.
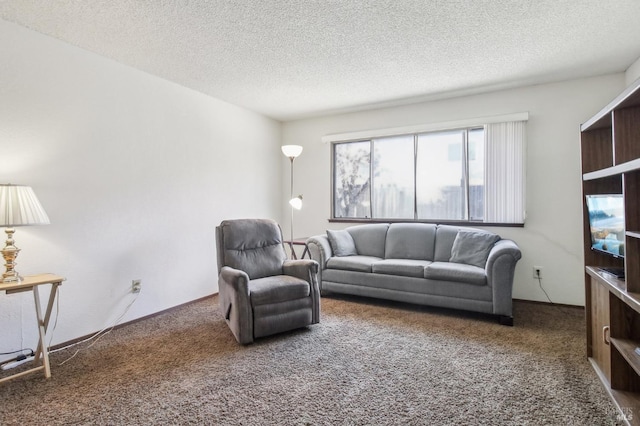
{"x":606,"y":220}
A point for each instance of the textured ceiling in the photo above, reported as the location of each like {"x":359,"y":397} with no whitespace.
{"x":295,"y":58}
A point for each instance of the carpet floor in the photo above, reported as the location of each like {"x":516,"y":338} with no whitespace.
{"x":367,"y":363}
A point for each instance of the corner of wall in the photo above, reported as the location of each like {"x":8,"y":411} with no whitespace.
{"x":632,"y":73}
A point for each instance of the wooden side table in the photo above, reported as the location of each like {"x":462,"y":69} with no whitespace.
{"x":32,"y":282}
{"x":298,"y":242}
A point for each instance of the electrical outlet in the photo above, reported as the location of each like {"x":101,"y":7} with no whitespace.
{"x":537,"y":272}
{"x":136,"y":286}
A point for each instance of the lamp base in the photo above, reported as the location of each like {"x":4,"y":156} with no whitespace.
{"x":11,"y":278}
{"x":9,"y":253}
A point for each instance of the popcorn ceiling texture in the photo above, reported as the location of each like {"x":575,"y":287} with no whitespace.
{"x":294,"y":58}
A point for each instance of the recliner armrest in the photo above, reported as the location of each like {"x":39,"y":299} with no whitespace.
{"x":306,"y":269}
{"x":236,"y":279}
{"x":301,"y":268}
{"x":235,"y":302}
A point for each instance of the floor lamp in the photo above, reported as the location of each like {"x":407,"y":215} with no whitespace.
{"x":293,"y":151}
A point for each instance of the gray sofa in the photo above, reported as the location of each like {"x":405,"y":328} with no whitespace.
{"x":437,"y":265}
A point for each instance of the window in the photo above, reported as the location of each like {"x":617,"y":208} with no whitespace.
{"x":473,"y":174}
{"x":441,"y":181}
{"x":393,"y":182}
{"x":352,"y":180}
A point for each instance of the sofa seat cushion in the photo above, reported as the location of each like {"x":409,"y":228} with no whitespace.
{"x":403,"y":267}
{"x":277,"y":288}
{"x":458,"y":272}
{"x":353,"y":263}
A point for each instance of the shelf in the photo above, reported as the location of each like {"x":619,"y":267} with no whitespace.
{"x":610,"y":156}
{"x":632,"y":300}
{"x":626,"y":99}
{"x":623,"y":400}
{"x":627,"y":350}
{"x":627,"y":404}
{"x":629,"y":166}
{"x":616,"y":285}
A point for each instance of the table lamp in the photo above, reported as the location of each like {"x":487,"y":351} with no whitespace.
{"x":19,"y":206}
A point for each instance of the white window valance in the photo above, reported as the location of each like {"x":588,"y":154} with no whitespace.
{"x":422,"y":128}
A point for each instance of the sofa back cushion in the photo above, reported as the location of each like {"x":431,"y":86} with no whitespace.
{"x":342,"y":243}
{"x":410,"y":241}
{"x":445,"y":236}
{"x":472,"y":248}
{"x":370,"y":239}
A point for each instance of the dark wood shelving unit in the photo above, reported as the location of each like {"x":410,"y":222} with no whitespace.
{"x":610,"y":143}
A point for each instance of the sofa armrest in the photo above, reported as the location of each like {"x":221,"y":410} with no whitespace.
{"x":235,"y":303}
{"x":306,"y":269}
{"x":500,"y":268}
{"x":320,"y":251}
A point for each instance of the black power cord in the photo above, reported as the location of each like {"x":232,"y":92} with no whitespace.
{"x":20,"y":357}
{"x":23,"y":356}
{"x":15,"y":352}
{"x":539,"y":278}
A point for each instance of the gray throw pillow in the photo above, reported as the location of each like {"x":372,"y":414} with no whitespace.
{"x":342,"y":243}
{"x":472,"y":248}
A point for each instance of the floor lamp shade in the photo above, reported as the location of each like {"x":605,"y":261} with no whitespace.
{"x":19,"y":206}
{"x":291,"y":151}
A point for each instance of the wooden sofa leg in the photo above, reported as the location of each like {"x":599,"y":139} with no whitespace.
{"x":505,"y":320}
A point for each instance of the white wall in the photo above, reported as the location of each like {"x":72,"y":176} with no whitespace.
{"x":552,"y":236}
{"x":134,"y":171}
{"x":632,"y":73}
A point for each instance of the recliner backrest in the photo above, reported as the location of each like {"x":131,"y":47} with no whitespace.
{"x":251,"y":245}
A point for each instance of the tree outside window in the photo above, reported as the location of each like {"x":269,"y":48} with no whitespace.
{"x":473,"y":174}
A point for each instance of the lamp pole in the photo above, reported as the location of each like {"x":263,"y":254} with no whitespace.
{"x":290,"y":198}
{"x":292,"y":151}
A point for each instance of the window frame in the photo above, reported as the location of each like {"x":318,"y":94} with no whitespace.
{"x":389,"y":133}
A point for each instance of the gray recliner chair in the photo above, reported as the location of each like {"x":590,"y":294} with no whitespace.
{"x":261,"y":292}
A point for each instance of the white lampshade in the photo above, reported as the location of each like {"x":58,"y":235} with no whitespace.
{"x":19,"y":206}
{"x":296,"y":202}
{"x":291,"y":151}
